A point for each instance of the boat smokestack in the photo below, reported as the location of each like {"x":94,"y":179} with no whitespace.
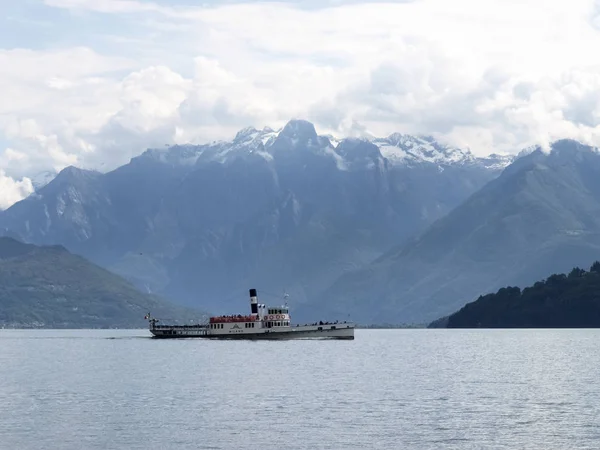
{"x":253,"y":302}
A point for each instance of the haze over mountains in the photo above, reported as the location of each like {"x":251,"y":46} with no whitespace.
{"x":275,"y":210}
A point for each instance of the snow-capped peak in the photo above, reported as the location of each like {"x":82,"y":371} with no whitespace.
{"x":42,"y":179}
{"x":245,"y":134}
{"x":402,"y":149}
{"x":253,"y":140}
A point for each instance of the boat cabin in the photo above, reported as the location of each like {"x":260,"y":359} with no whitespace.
{"x":276,"y":317}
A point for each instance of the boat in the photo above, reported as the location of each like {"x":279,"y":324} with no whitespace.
{"x":263,"y":322}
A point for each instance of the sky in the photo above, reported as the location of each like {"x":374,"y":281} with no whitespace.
{"x":93,"y":83}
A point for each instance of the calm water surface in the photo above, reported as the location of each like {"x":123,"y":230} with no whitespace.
{"x":415,"y":389}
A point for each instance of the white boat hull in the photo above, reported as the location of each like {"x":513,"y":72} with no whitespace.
{"x":330,"y":331}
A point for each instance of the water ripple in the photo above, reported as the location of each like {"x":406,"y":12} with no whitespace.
{"x":416,"y":389}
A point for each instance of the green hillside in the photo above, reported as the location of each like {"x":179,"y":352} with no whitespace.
{"x":560,"y":301}
{"x":51,"y":288}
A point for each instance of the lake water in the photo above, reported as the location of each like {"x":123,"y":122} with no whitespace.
{"x":414,"y":389}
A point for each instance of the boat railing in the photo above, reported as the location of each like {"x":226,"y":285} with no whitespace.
{"x":180,"y":327}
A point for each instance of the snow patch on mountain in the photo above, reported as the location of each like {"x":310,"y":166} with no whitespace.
{"x":402,"y":148}
{"x":340,"y":163}
{"x":332,"y":140}
{"x":496,"y":161}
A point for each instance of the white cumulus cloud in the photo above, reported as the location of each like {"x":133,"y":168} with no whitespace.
{"x":123,"y":75}
{"x":12,"y":191}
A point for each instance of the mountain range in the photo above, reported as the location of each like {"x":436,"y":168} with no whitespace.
{"x":286,"y":210}
{"x":396,"y":229}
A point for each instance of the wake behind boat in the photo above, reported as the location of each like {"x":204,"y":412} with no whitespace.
{"x":262,"y":323}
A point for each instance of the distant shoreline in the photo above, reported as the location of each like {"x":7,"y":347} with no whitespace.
{"x":391,"y":327}
{"x":362,"y":327}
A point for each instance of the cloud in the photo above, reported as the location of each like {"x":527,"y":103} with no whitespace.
{"x":11,"y":191}
{"x":123,"y":75}
{"x":107,"y":6}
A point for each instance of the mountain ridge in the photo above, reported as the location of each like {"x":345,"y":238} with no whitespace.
{"x":398,"y":148}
